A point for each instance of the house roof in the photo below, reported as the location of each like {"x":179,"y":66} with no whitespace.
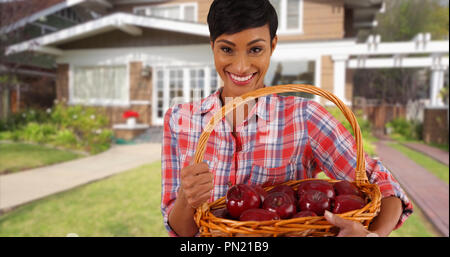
{"x":128,"y":23}
{"x":23,"y":12}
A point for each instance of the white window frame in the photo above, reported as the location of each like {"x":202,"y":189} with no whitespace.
{"x":282,"y":19}
{"x":98,"y":102}
{"x":147,"y":9}
{"x":186,"y":87}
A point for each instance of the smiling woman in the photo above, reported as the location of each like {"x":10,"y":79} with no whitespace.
{"x":276,"y":139}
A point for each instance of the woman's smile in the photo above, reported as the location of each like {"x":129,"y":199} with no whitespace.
{"x":241,"y":80}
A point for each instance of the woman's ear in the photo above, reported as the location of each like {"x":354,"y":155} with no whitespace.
{"x":274,"y":44}
{"x":212,"y":45}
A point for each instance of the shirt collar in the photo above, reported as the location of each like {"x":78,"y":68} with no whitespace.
{"x":212,"y":103}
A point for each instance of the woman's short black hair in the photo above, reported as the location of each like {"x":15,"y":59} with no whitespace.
{"x":233,"y":16}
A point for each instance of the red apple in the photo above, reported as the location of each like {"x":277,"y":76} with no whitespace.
{"x":315,"y":201}
{"x":220,"y":213}
{"x":241,"y":197}
{"x":262,"y":193}
{"x":304,"y":214}
{"x":346,"y":188}
{"x":345,"y":203}
{"x":258,"y":215}
{"x":319,"y":185}
{"x":285,"y":189}
{"x":279,"y":203}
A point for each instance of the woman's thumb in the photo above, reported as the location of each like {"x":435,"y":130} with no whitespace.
{"x":336,"y":220}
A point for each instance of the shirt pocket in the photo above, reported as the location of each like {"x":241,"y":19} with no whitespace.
{"x":267,"y":176}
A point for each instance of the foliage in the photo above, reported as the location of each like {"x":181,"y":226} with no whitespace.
{"x":75,"y":127}
{"x":409,"y":130}
{"x":401,"y":22}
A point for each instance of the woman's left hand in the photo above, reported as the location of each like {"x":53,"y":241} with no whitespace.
{"x":347,"y":228}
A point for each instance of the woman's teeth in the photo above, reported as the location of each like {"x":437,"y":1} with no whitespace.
{"x":241,"y":78}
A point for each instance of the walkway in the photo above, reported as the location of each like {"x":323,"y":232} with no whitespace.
{"x":425,"y":189}
{"x":433,"y":152}
{"x":22,"y":187}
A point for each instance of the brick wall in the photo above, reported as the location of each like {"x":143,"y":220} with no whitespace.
{"x":435,"y":126}
{"x":62,"y":82}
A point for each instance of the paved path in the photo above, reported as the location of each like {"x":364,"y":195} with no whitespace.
{"x":433,"y":152}
{"x":23,"y":187}
{"x":425,"y":189}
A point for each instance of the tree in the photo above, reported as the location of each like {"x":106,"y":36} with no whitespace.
{"x":402,"y":20}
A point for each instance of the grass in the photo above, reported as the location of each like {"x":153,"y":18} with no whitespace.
{"x":19,"y":156}
{"x":438,"y":169}
{"x":127,"y":204}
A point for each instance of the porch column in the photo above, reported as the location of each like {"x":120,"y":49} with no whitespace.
{"x":436,"y":85}
{"x":339,"y":63}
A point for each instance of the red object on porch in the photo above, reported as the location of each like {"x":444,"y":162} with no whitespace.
{"x":130,"y":114}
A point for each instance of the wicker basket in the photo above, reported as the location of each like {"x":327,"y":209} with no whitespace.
{"x":210,"y":225}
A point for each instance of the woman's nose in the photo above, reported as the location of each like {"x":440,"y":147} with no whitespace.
{"x":241,"y":65}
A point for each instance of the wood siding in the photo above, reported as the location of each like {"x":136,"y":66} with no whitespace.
{"x":322,"y":19}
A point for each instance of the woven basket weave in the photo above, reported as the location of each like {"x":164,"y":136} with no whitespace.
{"x":210,"y":225}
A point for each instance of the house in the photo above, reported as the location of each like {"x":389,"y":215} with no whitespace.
{"x":28,"y":79}
{"x":144,"y":54}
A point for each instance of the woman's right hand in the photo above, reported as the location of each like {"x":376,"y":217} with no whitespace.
{"x":196,"y":184}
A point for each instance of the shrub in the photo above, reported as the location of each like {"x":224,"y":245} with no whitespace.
{"x":409,"y":130}
{"x":65,"y":138}
{"x":75,"y":127}
{"x":38,"y":133}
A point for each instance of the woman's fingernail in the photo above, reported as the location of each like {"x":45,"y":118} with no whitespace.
{"x":328,"y":214}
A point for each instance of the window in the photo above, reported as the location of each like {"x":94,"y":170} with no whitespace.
{"x":290,"y":15}
{"x":99,"y":85}
{"x":197,"y":84}
{"x":214,"y":82}
{"x":294,"y":72}
{"x":185,"y":12}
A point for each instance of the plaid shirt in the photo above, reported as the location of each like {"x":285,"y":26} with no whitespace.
{"x":283,"y":138}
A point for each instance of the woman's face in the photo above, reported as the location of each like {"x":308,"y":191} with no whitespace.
{"x":242,"y":59}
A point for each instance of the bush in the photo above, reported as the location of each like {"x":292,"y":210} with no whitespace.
{"x":75,"y":127}
{"x":409,"y":130}
{"x":19,"y":120}
{"x":65,"y":138}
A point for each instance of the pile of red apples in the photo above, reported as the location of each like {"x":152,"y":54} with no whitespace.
{"x":311,"y":198}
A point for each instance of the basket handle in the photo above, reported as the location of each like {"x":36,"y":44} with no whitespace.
{"x":361,"y":177}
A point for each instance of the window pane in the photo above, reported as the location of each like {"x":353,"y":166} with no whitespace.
{"x":173,"y":12}
{"x":100,"y":83}
{"x":189,"y":14}
{"x":293,"y":14}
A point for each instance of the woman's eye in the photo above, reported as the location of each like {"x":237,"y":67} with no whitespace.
{"x":226,"y":50}
{"x":256,"y":50}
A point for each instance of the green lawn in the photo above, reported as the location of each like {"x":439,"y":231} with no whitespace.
{"x":438,"y":169}
{"x":18,"y":156}
{"x":127,"y":204}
